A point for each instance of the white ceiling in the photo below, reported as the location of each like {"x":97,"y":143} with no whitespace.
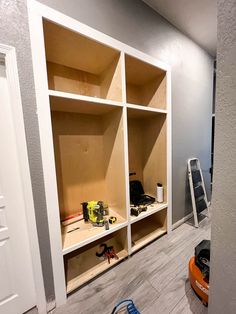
{"x":196,"y":18}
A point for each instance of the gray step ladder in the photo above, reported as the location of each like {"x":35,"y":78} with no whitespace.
{"x":197,"y":189}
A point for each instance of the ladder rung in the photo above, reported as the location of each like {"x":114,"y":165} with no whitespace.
{"x":196,"y":175}
{"x":201,"y":205}
{"x":198,"y":191}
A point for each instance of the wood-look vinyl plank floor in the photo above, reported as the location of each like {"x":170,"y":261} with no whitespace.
{"x":156,"y":278}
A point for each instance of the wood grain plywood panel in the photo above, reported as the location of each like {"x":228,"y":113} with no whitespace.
{"x":145,"y":84}
{"x":135,"y":146}
{"x":155,"y":155}
{"x":65,"y":79}
{"x":78,"y":142}
{"x":113,"y":143}
{"x":82,"y":265}
{"x":134,"y":94}
{"x":139,"y":72}
{"x":110,"y":81}
{"x":106,"y":86}
{"x":64,"y":104}
{"x":154,"y":93}
{"x":148,"y":151}
{"x":89,"y":156}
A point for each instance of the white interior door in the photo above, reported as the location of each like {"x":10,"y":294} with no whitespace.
{"x":17,"y":291}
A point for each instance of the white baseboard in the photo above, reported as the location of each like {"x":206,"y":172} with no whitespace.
{"x":181,"y":221}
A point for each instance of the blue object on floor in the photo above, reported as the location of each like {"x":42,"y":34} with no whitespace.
{"x":131,"y":309}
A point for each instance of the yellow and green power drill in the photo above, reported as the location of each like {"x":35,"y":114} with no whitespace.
{"x":94,"y":211}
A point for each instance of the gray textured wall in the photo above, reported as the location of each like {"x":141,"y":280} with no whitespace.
{"x":14,"y":31}
{"x":134,"y":23}
{"x":223,"y":258}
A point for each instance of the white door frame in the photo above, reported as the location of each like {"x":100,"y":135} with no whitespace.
{"x":17,"y":115}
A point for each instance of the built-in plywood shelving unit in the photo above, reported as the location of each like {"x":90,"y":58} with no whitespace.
{"x":87,"y":114}
{"x":108,"y":114}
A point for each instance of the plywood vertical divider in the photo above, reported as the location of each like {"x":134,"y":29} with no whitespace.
{"x":154,"y":155}
{"x":134,"y":94}
{"x":153,"y":93}
{"x":110,"y":81}
{"x":113,"y":141}
{"x":135,"y":140}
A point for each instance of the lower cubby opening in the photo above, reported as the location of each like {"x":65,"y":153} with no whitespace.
{"x":83,"y":265}
{"x":89,"y":157}
{"x":148,"y":229}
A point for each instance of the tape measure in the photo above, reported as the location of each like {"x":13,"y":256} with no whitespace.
{"x":112,"y":220}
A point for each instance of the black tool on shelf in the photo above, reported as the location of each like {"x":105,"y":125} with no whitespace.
{"x":137,"y":194}
{"x":136,"y":210}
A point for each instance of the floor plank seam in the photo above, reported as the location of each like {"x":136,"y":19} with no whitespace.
{"x":177,"y":304}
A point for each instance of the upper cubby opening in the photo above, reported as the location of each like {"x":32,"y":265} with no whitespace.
{"x":80,"y":65}
{"x":145,"y":83}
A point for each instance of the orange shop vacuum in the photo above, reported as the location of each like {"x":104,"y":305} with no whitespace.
{"x":199,"y":270}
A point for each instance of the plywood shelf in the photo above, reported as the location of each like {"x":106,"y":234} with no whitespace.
{"x":152,"y":209}
{"x":136,"y":111}
{"x":79,"y":65}
{"x":145,"y":83}
{"x":83,"y":264}
{"x":87,"y":232}
{"x":69,"y":102}
{"x":148,"y":229}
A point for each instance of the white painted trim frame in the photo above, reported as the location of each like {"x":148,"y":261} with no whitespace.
{"x":169,"y":151}
{"x":37,"y":12}
{"x":46,"y":141}
{"x":17,"y":114}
